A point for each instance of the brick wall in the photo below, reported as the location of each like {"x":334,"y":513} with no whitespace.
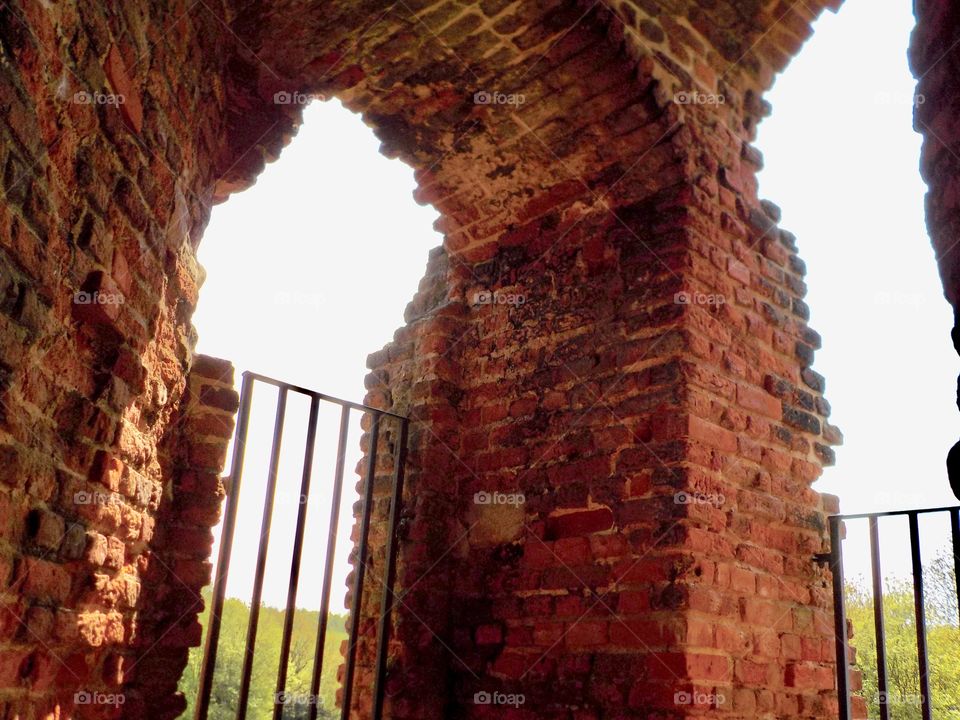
{"x":614,"y":329}
{"x":102,"y":595}
{"x":106,"y":157}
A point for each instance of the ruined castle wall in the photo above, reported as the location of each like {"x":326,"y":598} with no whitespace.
{"x":110,"y":120}
{"x":614,"y":330}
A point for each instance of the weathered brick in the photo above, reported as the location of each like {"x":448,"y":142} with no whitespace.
{"x":594,"y":397}
{"x":580,"y":523}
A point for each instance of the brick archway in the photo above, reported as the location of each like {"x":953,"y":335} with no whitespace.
{"x":601,"y":397}
{"x":660,"y":354}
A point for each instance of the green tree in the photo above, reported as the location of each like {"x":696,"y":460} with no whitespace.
{"x":943,"y":641}
{"x":226,"y":683}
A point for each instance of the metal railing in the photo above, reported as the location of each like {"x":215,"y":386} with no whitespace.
{"x":208,"y":665}
{"x":835,"y":558}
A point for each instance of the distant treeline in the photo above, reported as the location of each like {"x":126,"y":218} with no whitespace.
{"x":943,"y":642}
{"x":233,"y":635}
{"x":903,"y":691}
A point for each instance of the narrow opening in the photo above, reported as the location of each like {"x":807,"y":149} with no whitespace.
{"x":308,"y":272}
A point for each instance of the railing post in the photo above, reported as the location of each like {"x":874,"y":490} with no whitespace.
{"x":923,"y":662}
{"x":261,"y":566}
{"x":360,"y":568}
{"x":295,"y":560}
{"x":840,"y":619}
{"x":878,"y":620}
{"x":955,"y":532}
{"x":386,"y":606}
{"x":328,"y":563}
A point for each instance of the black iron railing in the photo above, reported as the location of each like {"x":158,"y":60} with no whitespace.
{"x":835,"y":558}
{"x":226,"y":543}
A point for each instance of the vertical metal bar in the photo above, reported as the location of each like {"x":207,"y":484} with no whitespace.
{"x":878,"y":620}
{"x":226,"y":545}
{"x":955,"y":531}
{"x":295,"y":560}
{"x":922,"y":658}
{"x":386,"y":606}
{"x":361,"y":566}
{"x":328,"y":563}
{"x":840,"y":620}
{"x":244,"y":692}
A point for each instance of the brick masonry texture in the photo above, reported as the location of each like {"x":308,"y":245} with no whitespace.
{"x":614,"y":329}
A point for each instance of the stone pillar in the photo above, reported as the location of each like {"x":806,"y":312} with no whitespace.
{"x":636,"y":427}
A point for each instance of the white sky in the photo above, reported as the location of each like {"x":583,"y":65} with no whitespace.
{"x":310,"y":270}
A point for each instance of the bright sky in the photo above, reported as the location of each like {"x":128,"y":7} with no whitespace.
{"x":310,"y":270}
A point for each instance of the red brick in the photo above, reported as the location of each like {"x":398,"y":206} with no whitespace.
{"x":489,"y":635}
{"x":579,"y":523}
{"x":808,"y":676}
{"x":712,"y":434}
{"x":131,"y":107}
{"x":752,"y":673}
{"x":791,"y":647}
{"x":107,"y":470}
{"x":649,"y":634}
{"x":586,"y":633}
{"x":759,"y":612}
{"x":743,"y":580}
{"x":44,"y":580}
{"x":758,"y":400}
{"x":548,"y":634}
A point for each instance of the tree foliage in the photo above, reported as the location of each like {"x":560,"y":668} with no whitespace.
{"x":226,"y":684}
{"x":903,"y":687}
{"x":943,"y":642}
